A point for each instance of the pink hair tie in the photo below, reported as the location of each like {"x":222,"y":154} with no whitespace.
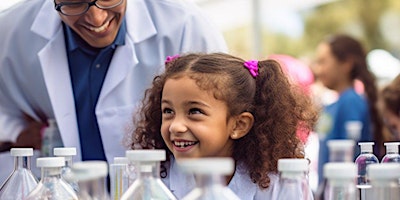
{"x":171,"y":58}
{"x":252,"y":66}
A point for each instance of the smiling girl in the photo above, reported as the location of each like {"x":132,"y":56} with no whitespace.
{"x":218,"y":105}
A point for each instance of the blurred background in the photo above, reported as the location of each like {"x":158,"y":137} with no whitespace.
{"x":258,"y":28}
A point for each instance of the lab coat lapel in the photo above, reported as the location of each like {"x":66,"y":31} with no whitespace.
{"x":54,"y":63}
{"x":125,"y":57}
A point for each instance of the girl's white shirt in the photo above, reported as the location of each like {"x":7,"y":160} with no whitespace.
{"x":181,"y":184}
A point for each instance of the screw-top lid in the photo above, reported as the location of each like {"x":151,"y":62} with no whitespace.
{"x":121,"y":160}
{"x":392,"y":147}
{"x":340,"y":170}
{"x":65,"y":151}
{"x":89,"y":170}
{"x":341,"y":145}
{"x":366,"y":146}
{"x":146,"y":155}
{"x":215,"y":165}
{"x":21,"y":151}
{"x":50,"y":162}
{"x":383,"y":171}
{"x":293,"y":165}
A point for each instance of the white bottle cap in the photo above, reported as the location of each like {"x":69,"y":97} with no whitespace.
{"x":50,"y":162}
{"x":89,"y":170}
{"x":121,"y":160}
{"x":65,"y":151}
{"x":216,"y":165}
{"x":335,"y":145}
{"x":383,"y":171}
{"x":146,"y":155}
{"x":21,"y":151}
{"x":293,"y":165}
{"x":340,"y":170}
{"x":353,"y":129}
{"x":392,"y":147}
{"x":366,"y":146}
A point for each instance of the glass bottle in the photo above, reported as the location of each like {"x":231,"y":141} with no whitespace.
{"x":392,"y":152}
{"x":148,"y":184}
{"x":51,"y":185}
{"x":341,"y":183}
{"x":119,"y":177}
{"x":21,"y":181}
{"x":340,"y":150}
{"x":293,"y":179}
{"x":384,"y":181}
{"x":365,"y":158}
{"x":210,"y":178}
{"x":51,"y":138}
{"x":91,"y":178}
{"x":67,"y":153}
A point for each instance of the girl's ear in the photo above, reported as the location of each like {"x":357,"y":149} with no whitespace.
{"x":243,"y":124}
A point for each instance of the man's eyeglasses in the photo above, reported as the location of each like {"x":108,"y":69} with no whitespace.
{"x":79,"y":8}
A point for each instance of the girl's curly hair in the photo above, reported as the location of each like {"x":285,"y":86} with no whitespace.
{"x":279,"y":109}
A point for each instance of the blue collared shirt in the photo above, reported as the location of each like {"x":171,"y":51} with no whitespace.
{"x":88,"y":68}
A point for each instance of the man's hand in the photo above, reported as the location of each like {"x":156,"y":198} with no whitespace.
{"x":31,"y":135}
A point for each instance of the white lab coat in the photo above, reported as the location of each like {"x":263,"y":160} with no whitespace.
{"x":181,"y":184}
{"x":34,"y":73}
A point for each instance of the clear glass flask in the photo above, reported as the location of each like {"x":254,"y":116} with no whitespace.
{"x":341,"y":181}
{"x":91,"y":177}
{"x":68,"y":153}
{"x":392,"y":153}
{"x":210,"y":178}
{"x":119,"y":177}
{"x":384,"y":179}
{"x":148,"y":184}
{"x":51,"y":185}
{"x":21,"y":181}
{"x":294,"y":179}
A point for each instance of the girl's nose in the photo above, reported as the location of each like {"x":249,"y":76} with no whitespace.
{"x":177,"y":126}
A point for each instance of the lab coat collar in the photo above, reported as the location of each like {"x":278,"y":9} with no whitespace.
{"x":140,"y":25}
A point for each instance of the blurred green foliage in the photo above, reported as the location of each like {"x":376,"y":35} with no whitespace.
{"x":359,"y":18}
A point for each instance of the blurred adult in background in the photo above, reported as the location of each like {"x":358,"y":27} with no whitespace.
{"x":87,"y":64}
{"x":340,"y":60}
{"x":390,"y":108}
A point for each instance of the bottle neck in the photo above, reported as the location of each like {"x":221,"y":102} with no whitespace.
{"x":148,"y":169}
{"x":96,"y":188}
{"x":22,"y":162}
{"x":209,"y":180}
{"x":51,"y":173}
{"x":68,"y":161}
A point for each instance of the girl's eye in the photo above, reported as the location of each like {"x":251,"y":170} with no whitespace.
{"x":167,"y":111}
{"x":195,"y":111}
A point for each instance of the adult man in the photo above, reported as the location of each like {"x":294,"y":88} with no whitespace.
{"x":87,"y":64}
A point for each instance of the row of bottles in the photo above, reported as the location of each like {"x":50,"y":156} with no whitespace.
{"x":366,"y":178}
{"x":60,"y":179}
{"x":137,"y":176}
{"x":383,"y":182}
